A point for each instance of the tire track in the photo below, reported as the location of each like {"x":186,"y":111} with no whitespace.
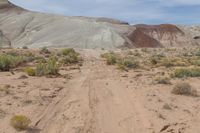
{"x":95,"y":102}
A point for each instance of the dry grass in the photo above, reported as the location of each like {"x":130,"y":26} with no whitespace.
{"x":30,"y":71}
{"x":184,"y":88}
{"x":20,"y":122}
{"x":186,"y":72}
{"x":5,"y":89}
{"x":162,"y":80}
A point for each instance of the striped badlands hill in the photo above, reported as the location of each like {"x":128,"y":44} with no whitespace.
{"x":20,"y":27}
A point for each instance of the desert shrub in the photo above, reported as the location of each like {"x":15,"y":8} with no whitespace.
{"x":5,"y":89}
{"x":71,"y":59}
{"x":171,"y":49}
{"x":8,"y":62}
{"x":30,"y":71}
{"x":144,"y":50}
{"x":173,"y":61}
{"x":127,"y":63}
{"x":167,"y":62}
{"x":24,"y":47}
{"x":70,"y":56}
{"x":20,"y":122}
{"x":111,"y":58}
{"x":40,"y":69}
{"x":197,"y":53}
{"x":162,"y":80}
{"x":52,"y":67}
{"x":68,"y":51}
{"x":49,"y":68}
{"x":155,"y":59}
{"x":40,"y":59}
{"x":181,"y":63}
{"x":137,"y":54}
{"x":122,"y":67}
{"x":45,"y":50}
{"x":184,"y":88}
{"x":12,"y":53}
{"x":195,"y":62}
{"x":187,"y":72}
{"x":29,"y":57}
{"x":130,"y":53}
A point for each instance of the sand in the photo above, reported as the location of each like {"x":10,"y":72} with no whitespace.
{"x":98,"y":99}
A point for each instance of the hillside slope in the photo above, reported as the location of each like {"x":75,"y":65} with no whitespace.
{"x":20,"y":27}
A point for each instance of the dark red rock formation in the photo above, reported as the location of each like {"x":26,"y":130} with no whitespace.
{"x":140,"y":39}
{"x":155,"y":35}
{"x":160,"y":29}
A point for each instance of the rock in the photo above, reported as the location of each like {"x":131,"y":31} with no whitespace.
{"x":23,"y":77}
{"x":197,"y":37}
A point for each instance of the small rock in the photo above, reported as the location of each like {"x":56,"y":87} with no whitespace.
{"x":166,"y":106}
{"x":23,"y":77}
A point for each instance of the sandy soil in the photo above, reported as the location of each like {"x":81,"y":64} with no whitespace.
{"x":98,"y":99}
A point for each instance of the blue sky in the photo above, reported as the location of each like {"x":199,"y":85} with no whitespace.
{"x":132,"y":11}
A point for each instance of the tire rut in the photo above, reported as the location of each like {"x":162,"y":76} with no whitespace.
{"x":96,"y":102}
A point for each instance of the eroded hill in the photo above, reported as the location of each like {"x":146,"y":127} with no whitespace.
{"x":20,"y":27}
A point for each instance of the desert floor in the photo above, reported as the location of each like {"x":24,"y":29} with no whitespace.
{"x":97,"y":98}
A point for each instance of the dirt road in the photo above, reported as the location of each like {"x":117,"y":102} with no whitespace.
{"x":95,"y":102}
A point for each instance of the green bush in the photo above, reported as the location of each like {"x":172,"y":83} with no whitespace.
{"x":111,"y":58}
{"x":122,"y":67}
{"x":127,"y":63}
{"x":68,"y":51}
{"x":52,"y":67}
{"x":30,"y":71}
{"x":49,"y":68}
{"x":187,"y":72}
{"x":45,"y":50}
{"x":20,"y":122}
{"x":70,"y":56}
{"x":195,"y":62}
{"x":40,"y":69}
{"x":8,"y":62}
{"x":184,"y":88}
{"x":70,"y":59}
{"x":197,"y":53}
